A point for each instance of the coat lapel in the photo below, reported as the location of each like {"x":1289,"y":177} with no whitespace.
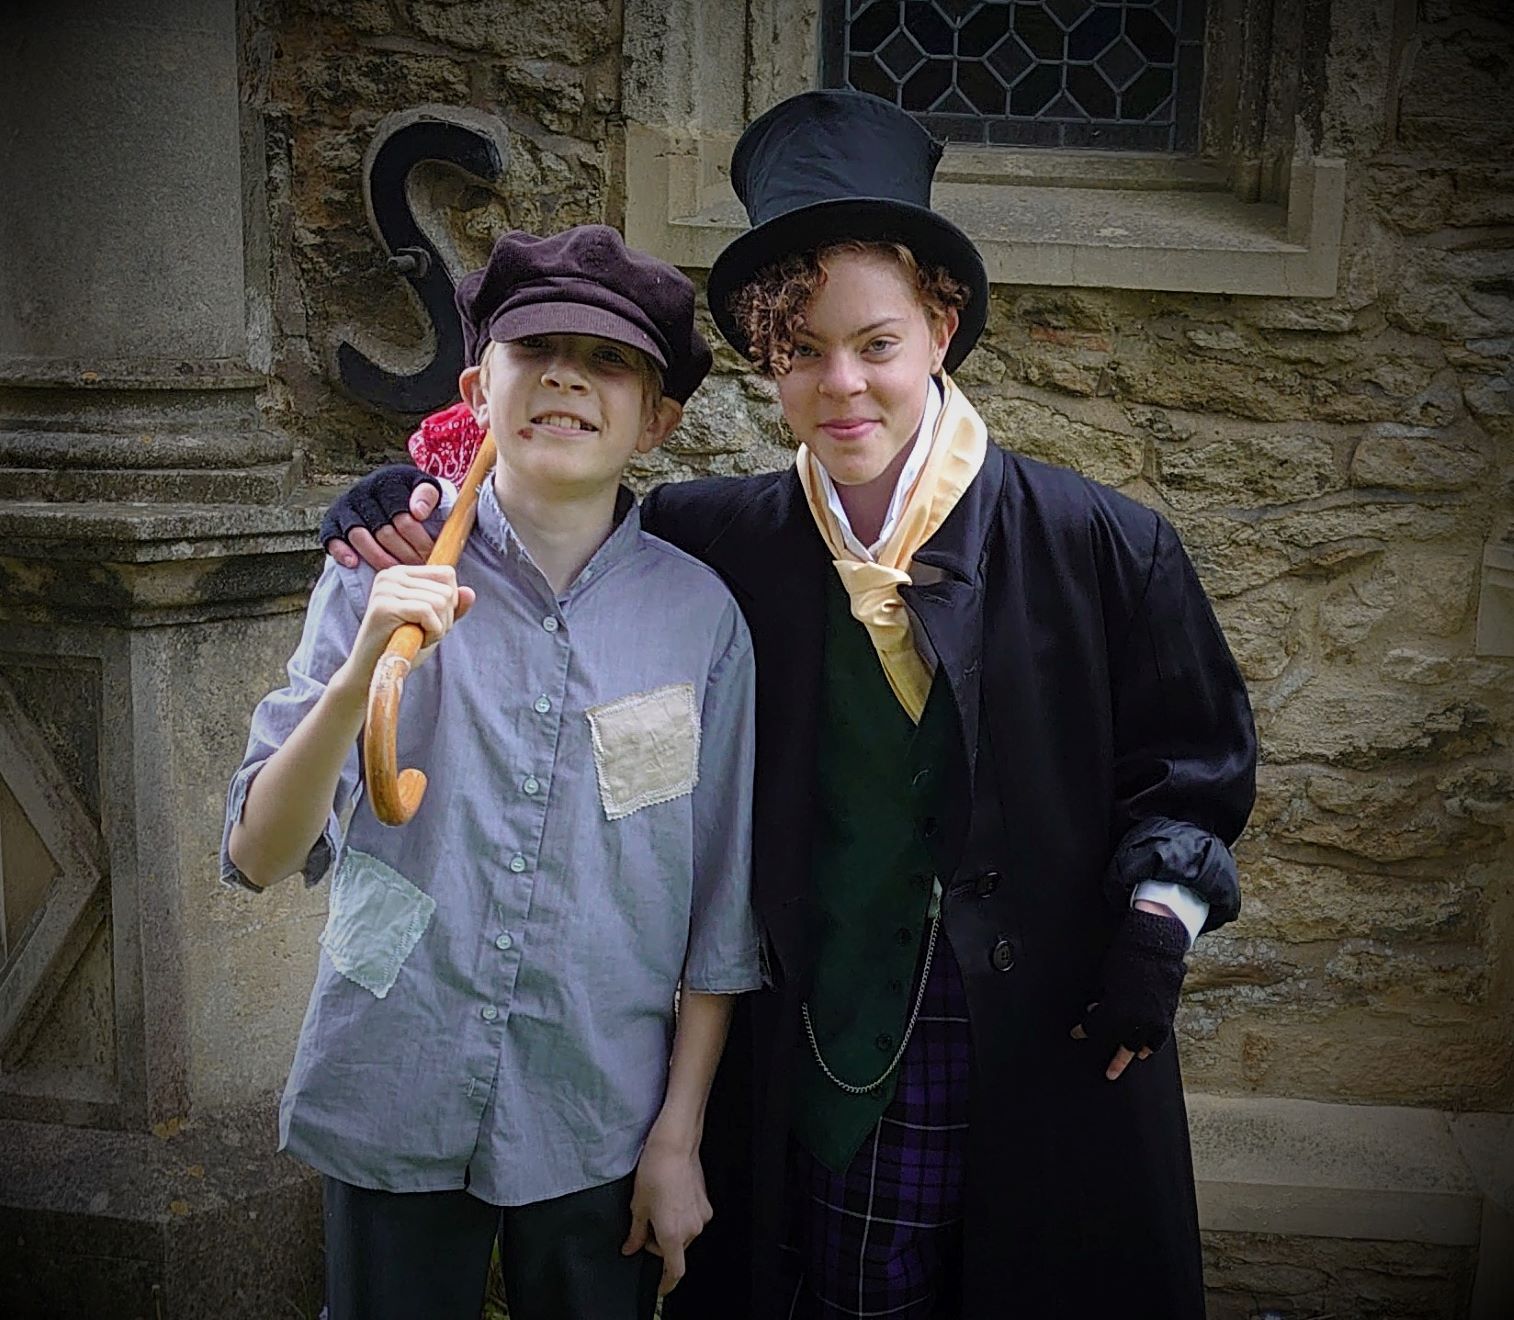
{"x":951,"y":610}
{"x":775,"y":563}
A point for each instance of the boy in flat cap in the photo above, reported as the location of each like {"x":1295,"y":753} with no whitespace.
{"x":491,"y":1048}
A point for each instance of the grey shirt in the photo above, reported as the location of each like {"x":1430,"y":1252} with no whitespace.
{"x":494,"y":1002}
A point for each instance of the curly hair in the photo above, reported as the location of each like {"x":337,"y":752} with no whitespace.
{"x":770,"y":307}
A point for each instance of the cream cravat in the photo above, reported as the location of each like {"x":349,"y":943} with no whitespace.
{"x":956,"y":456}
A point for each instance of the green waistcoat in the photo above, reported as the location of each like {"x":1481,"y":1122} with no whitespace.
{"x":872,"y":881}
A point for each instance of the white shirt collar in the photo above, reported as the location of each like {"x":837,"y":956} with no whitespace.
{"x":912,"y":466}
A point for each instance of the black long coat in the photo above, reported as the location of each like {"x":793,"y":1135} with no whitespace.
{"x":1105,"y":738}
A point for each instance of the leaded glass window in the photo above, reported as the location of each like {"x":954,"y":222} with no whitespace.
{"x":1114,"y":74}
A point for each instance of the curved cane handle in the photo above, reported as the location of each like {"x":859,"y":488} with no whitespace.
{"x":394,"y":793}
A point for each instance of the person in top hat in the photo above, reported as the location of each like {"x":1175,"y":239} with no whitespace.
{"x":1003,"y":751}
{"x":486,"y":1054}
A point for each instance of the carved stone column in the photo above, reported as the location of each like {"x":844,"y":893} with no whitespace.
{"x":153,"y":560}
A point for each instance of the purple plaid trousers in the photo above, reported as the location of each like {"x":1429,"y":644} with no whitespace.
{"x":884,"y":1237}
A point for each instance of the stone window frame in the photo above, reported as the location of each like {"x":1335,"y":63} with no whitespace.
{"x":1255,"y":213}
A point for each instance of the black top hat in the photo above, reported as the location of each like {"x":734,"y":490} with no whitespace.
{"x":824,"y":167}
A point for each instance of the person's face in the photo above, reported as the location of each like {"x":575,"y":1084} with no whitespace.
{"x":861,"y":366}
{"x":568,"y":411}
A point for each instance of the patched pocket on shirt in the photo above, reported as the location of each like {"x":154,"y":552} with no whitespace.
{"x":375,"y":919}
{"x":646,"y":748}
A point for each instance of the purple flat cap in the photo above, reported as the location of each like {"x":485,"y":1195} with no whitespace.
{"x":586,"y":281}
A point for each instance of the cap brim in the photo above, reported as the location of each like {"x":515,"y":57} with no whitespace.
{"x":569,"y":318}
{"x":933,"y":239}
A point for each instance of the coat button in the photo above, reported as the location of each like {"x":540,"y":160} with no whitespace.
{"x":904,"y":935}
{"x":1003,"y":956}
{"x":987,"y":883}
{"x":885,"y":1042}
{"x":929,"y":827}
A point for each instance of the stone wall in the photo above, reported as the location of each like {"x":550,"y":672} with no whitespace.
{"x":322,"y":74}
{"x":1336,"y":467}
{"x":1246,"y":1271}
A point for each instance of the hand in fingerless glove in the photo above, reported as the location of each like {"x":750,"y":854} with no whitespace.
{"x":1143,"y":972}
{"x":373,"y":502}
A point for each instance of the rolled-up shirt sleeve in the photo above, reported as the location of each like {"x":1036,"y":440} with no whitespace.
{"x":331,"y":623}
{"x":722,"y":955}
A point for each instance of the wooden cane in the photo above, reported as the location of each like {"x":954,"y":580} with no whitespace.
{"x":394,"y":793}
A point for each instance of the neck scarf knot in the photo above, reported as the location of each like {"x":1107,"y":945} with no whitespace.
{"x":957,"y":450}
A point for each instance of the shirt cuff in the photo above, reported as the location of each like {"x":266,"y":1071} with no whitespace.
{"x":449,"y":496}
{"x":1186,"y":906}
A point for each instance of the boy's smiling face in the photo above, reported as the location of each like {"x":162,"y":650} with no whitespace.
{"x":568,"y":411}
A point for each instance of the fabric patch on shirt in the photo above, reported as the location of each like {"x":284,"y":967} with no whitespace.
{"x":375,"y":919}
{"x":646,"y":748}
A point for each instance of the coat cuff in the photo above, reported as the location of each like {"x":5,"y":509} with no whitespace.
{"x":1176,"y":852}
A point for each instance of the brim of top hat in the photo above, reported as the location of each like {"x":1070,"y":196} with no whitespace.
{"x":933,"y":239}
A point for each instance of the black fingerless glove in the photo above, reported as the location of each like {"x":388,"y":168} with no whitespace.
{"x":374,"y":502}
{"x":1143,"y":972}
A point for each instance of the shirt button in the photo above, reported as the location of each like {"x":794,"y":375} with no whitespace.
{"x":532,"y":785}
{"x":542,"y":705}
{"x":488,"y":1012}
{"x":549,"y":624}
{"x":885,"y":1042}
{"x":517,"y":863}
{"x":503,"y":942}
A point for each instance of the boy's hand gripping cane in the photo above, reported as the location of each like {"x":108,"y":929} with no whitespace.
{"x":395,"y":793}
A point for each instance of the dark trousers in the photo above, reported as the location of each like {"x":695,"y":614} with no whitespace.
{"x":425,"y":1256}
